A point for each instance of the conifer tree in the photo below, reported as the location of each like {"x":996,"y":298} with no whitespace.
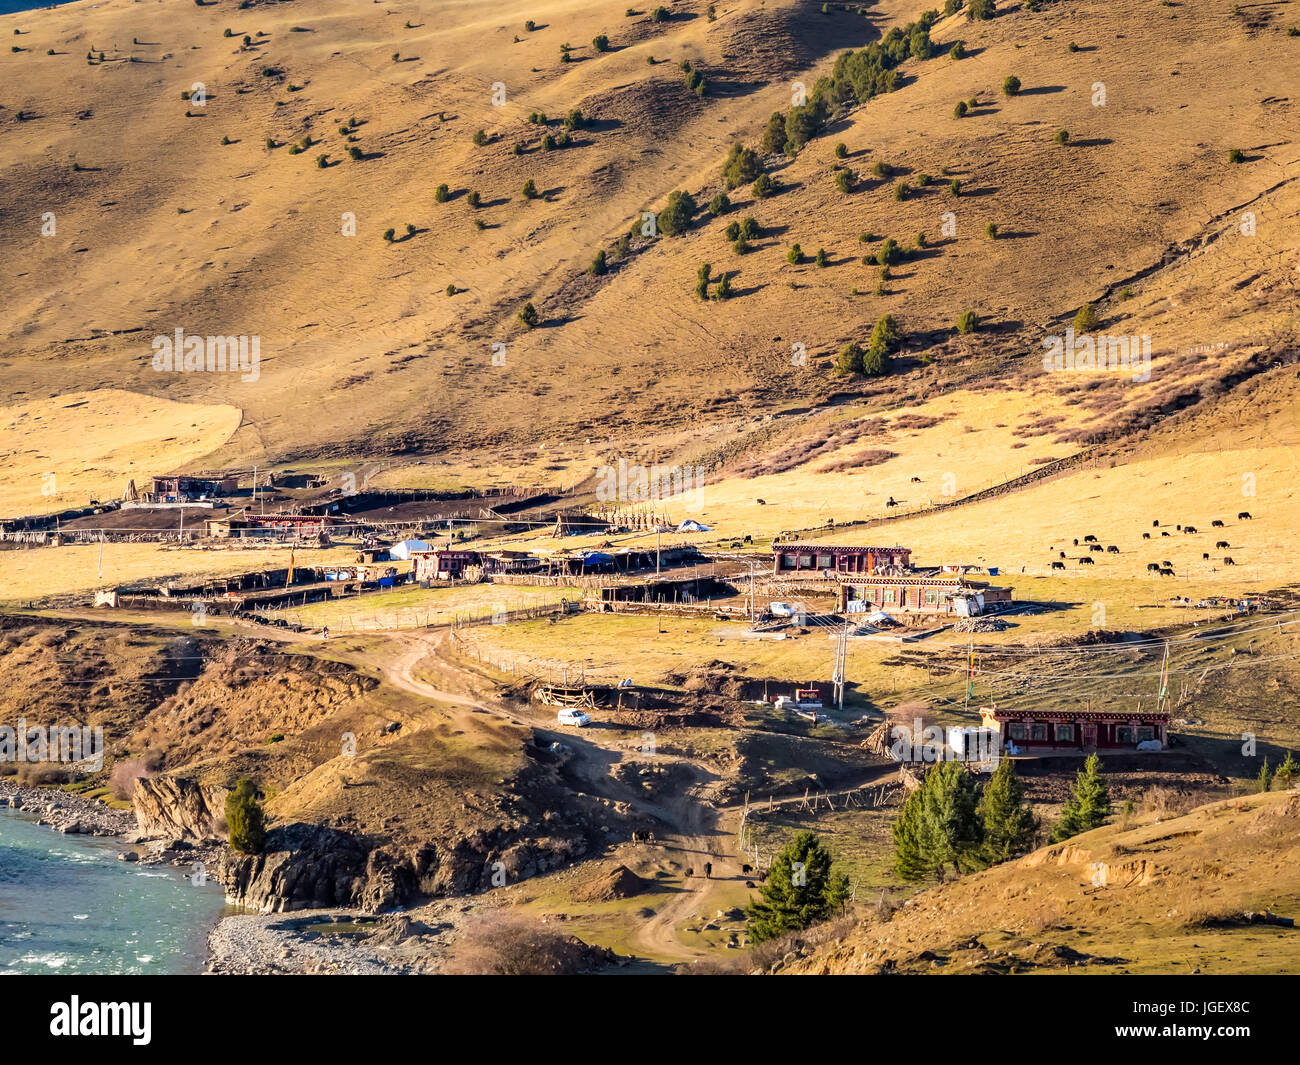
{"x":1089,"y":804}
{"x":802,"y":887}
{"x":1009,"y":825}
{"x":244,"y":818}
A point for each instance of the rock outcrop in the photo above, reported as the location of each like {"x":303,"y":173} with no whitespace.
{"x":179,"y":808}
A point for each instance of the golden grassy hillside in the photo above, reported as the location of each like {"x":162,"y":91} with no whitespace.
{"x":158,"y":224}
{"x":1143,"y":895}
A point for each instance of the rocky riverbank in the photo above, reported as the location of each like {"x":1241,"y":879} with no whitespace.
{"x":333,"y":941}
{"x":67,"y":813}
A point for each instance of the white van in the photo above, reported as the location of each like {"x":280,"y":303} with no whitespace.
{"x":569,"y":716}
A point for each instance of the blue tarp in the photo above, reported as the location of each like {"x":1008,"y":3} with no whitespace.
{"x":596,"y":558}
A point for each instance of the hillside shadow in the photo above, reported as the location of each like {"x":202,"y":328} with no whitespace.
{"x":1041,"y":90}
{"x":1091,"y":142}
{"x":1017,"y":234}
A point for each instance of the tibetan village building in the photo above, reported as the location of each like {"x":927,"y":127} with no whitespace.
{"x":923,"y":591}
{"x":1029,"y":731}
{"x":275,"y":526}
{"x":185,"y":489}
{"x":810,"y":560}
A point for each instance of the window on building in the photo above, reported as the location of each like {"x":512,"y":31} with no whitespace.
{"x":931,"y":596}
{"x":1016,"y":732}
{"x":825,"y":561}
{"x":787,"y":561}
{"x":1123,"y":734}
{"x":1038,"y":732}
{"x":889,"y":596}
{"x":1145,"y":732}
{"x":1064,"y":733}
{"x":805,"y":561}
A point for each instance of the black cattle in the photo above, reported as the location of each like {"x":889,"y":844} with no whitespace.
{"x":1227,"y":561}
{"x":1166,"y":562}
{"x":1244,"y":516}
{"x":1058,"y":565}
{"x":1155,"y":525}
{"x":1164,"y":533}
{"x":1094,"y":547}
{"x":892,"y":502}
{"x":1111,"y":549}
{"x":1189,"y":528}
{"x":1216,"y":524}
{"x":1089,"y":539}
{"x":1146,"y":536}
{"x":1062,"y":554}
{"x":1179,"y":528}
{"x":1153,"y":567}
{"x":1166,"y":572}
{"x":746,"y":869}
{"x":1205,"y":557}
{"x":749,"y":539}
{"x":690,"y":872}
{"x":916,"y":480}
{"x":761,"y":502}
{"x":1076,"y":541}
{"x":1222,"y":543}
{"x":1085,"y":561}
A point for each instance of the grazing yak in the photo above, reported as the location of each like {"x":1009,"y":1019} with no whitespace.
{"x":1076,"y":541}
{"x":1153,"y":567}
{"x":1146,"y":536}
{"x":1089,"y":539}
{"x":1205,"y":557}
{"x":1244,"y":516}
{"x":1094,"y":547}
{"x":1163,"y":533}
{"x":1111,"y":549}
{"x":1216,"y":524}
{"x":1222,"y":543}
{"x":916,"y":480}
{"x":1062,"y":554}
{"x":1058,"y":565}
{"x":1227,"y":561}
{"x":1167,"y":572}
{"x":1155,"y":525}
{"x":1189,"y":528}
{"x":1085,"y":561}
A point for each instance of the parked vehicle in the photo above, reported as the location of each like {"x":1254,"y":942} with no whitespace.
{"x":569,"y":716}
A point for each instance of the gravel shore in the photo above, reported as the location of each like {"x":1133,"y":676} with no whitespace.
{"x":339,"y":942}
{"x":67,"y":813}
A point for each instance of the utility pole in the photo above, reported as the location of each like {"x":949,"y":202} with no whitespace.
{"x":656,"y":549}
{"x":841,"y":662}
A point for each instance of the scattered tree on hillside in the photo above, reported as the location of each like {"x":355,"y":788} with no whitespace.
{"x":441,"y":194}
{"x":1286,"y":773}
{"x":960,"y":110}
{"x":528,"y":315}
{"x":1089,"y":804}
{"x":794,"y":256}
{"x":981,"y":9}
{"x":600,"y":42}
{"x":802,"y":888}
{"x":1011,"y":85}
{"x":1009,"y":825}
{"x":763,"y":187}
{"x":1062,"y":136}
{"x":529,"y":190}
{"x":1086,"y":320}
{"x":723,"y":291}
{"x":245,"y":819}
{"x":598,"y":266}
{"x":967,"y":322}
{"x":741,"y":166}
{"x":845,"y":179}
{"x":675,"y":218}
{"x":720,"y":204}
{"x":702,"y":280}
{"x":939,"y":827}
{"x":774,"y":138}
